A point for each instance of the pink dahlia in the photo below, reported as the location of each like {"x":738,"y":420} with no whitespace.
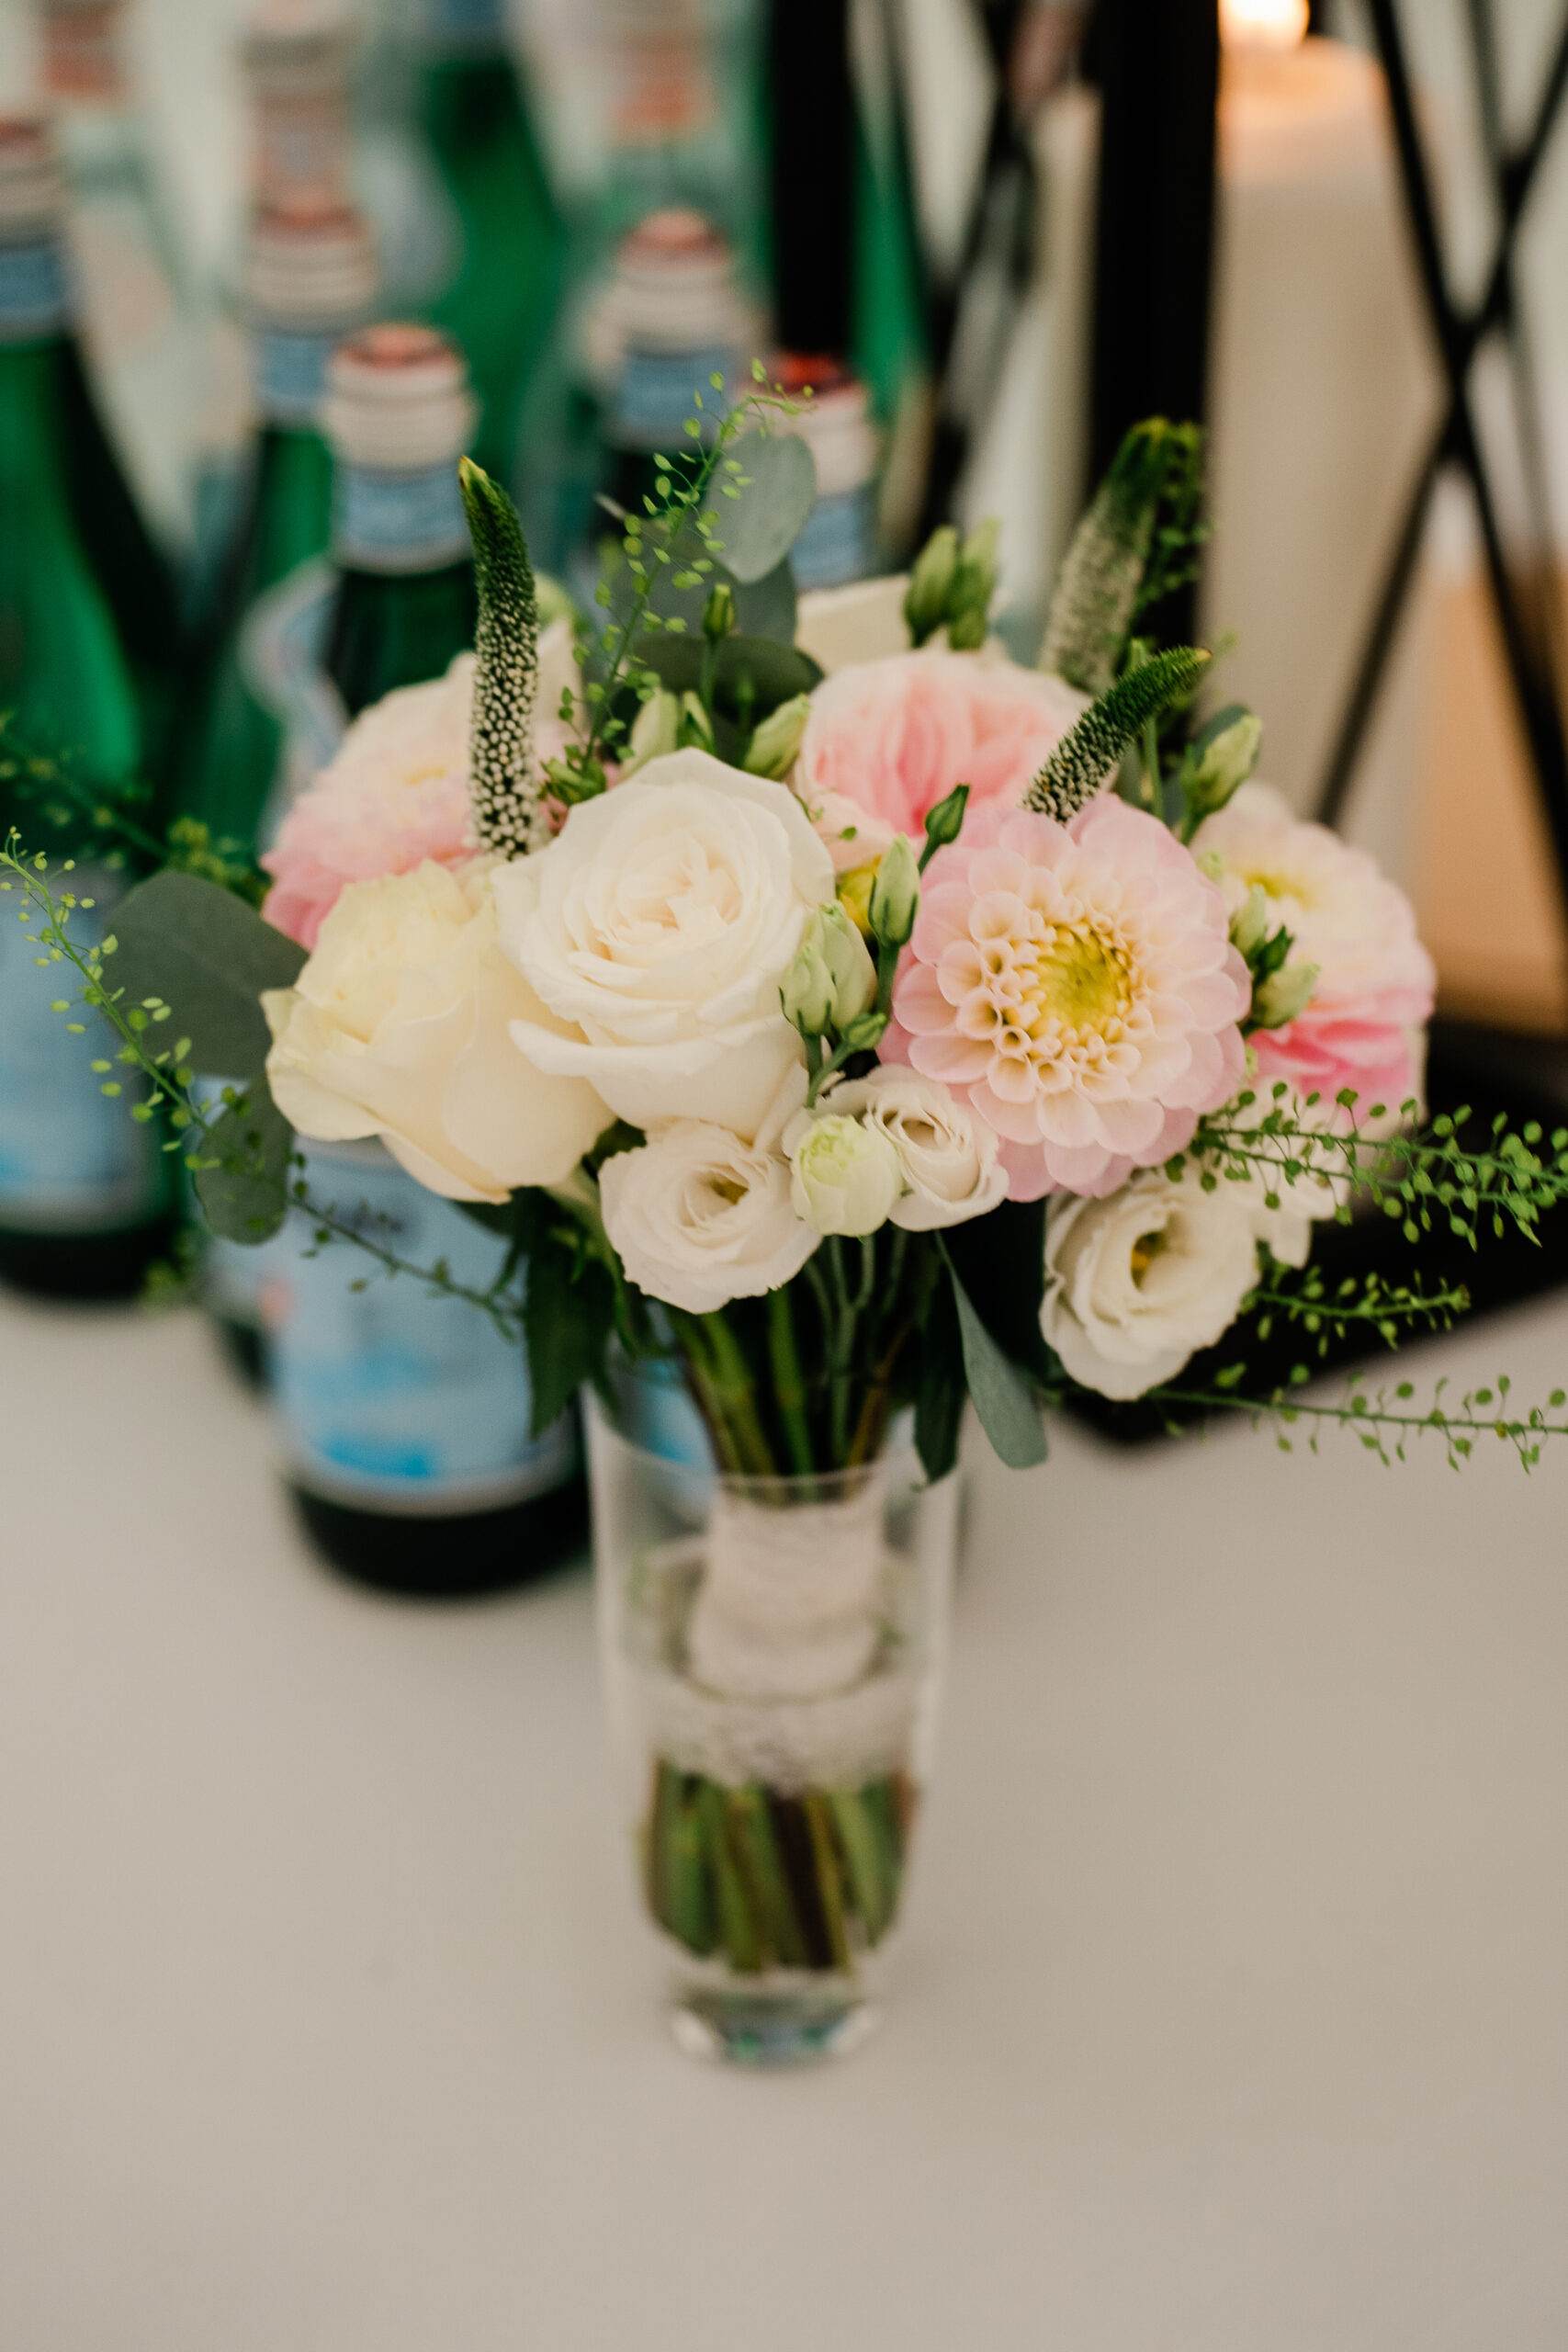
{"x":1078,"y":984}
{"x":1375,"y":979}
{"x":887,"y":739}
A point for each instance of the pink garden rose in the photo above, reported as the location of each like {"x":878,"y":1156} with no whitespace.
{"x":1077,"y":983}
{"x":396,"y":795}
{"x":887,"y":739}
{"x":1376,"y":981}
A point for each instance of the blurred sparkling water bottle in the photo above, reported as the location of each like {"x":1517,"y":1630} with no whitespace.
{"x":396,"y":603}
{"x":89,"y":668}
{"x":257,"y":732}
{"x":139,"y":321}
{"x":839,"y":542}
{"x":399,"y":415}
{"x":655,"y":120}
{"x":847,"y":270}
{"x":506,"y":243}
{"x":405,"y":1417}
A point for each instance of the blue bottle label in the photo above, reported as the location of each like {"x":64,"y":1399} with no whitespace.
{"x":468,"y":25}
{"x":35,"y":290}
{"x":392,"y":1399}
{"x":653,"y":395}
{"x":72,"y":1158}
{"x":397,"y":522}
{"x":837,"y":543}
{"x":291,"y":372}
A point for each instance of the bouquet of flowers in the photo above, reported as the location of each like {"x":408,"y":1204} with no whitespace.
{"x":843,"y":1018}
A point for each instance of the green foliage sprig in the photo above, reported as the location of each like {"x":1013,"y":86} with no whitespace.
{"x":1303,"y":1300}
{"x":1417,"y":1178}
{"x":1387,"y":1420}
{"x":52,"y":792}
{"x":676,"y":540}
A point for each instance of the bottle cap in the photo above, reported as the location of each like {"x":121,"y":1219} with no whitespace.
{"x":835,"y":423}
{"x":81,"y":56}
{"x":32,"y":189}
{"x":298,"y":48}
{"x":310,"y":266}
{"x":675,"y":286}
{"x":398,"y":399}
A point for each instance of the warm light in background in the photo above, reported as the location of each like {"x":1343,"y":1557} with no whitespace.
{"x":1263,"y":24}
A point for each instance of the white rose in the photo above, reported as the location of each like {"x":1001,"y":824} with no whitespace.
{"x":947,"y":1157}
{"x":659,"y":924}
{"x":698,"y":1217}
{"x":397,"y":1027}
{"x":845,"y":1174}
{"x":1138,"y":1282}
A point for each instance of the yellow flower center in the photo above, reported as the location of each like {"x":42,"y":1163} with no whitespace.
{"x":1080,"y":980}
{"x":1146,"y":1249}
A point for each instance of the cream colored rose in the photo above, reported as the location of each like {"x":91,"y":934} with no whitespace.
{"x":698,"y":1217}
{"x":1138,"y":1282}
{"x":947,"y":1157}
{"x":861,"y":622}
{"x":397,"y":1027}
{"x":656,"y":928}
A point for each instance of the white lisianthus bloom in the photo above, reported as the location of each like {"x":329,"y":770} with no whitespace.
{"x":397,"y":1027}
{"x":1139,"y":1281}
{"x":657,"y":927}
{"x":845,"y":1173}
{"x":697,"y":1216}
{"x":949,"y":1160}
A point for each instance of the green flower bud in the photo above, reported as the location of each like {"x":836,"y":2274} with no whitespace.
{"x":1220,"y":759}
{"x":807,"y":994}
{"x":694,"y":726}
{"x":719,"y":613}
{"x":864,"y":1034}
{"x":895,"y":894}
{"x":1249,"y":925}
{"x":655,"y":731}
{"x":1282,"y":995}
{"x":775,"y":746}
{"x":845,"y":1177}
{"x":845,"y":954}
{"x":945,"y":822}
{"x":973,"y":585}
{"x":925,"y":603}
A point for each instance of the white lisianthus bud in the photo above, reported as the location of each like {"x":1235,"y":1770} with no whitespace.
{"x":1249,"y":925}
{"x":896,"y":894}
{"x":775,"y":746}
{"x":1221,"y":758}
{"x":949,"y":1157}
{"x":854,"y":973}
{"x":806,"y":991}
{"x":654,"y":731}
{"x":1285,"y":993}
{"x":845,"y":1176}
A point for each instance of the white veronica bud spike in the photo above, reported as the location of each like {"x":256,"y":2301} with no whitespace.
{"x":504,"y":786}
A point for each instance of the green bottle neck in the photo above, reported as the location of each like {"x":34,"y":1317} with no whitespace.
{"x":390,"y":631}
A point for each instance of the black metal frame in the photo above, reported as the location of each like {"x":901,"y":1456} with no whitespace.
{"x":1526,"y":610}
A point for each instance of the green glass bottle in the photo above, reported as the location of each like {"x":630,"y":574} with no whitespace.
{"x":398,"y":415}
{"x":310,"y":276}
{"x":89,"y":668}
{"x":501,"y":300}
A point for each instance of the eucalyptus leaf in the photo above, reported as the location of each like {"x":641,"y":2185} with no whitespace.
{"x":763,"y":501}
{"x":1008,"y":1414}
{"x":208,"y":957}
{"x":245,"y":1197}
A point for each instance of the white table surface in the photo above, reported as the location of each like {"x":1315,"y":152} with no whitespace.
{"x":1233,"y":2014}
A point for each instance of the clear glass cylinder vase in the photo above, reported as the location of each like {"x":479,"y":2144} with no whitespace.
{"x":774,"y":1652}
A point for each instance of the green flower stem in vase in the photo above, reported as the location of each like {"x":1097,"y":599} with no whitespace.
{"x":772,"y":1649}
